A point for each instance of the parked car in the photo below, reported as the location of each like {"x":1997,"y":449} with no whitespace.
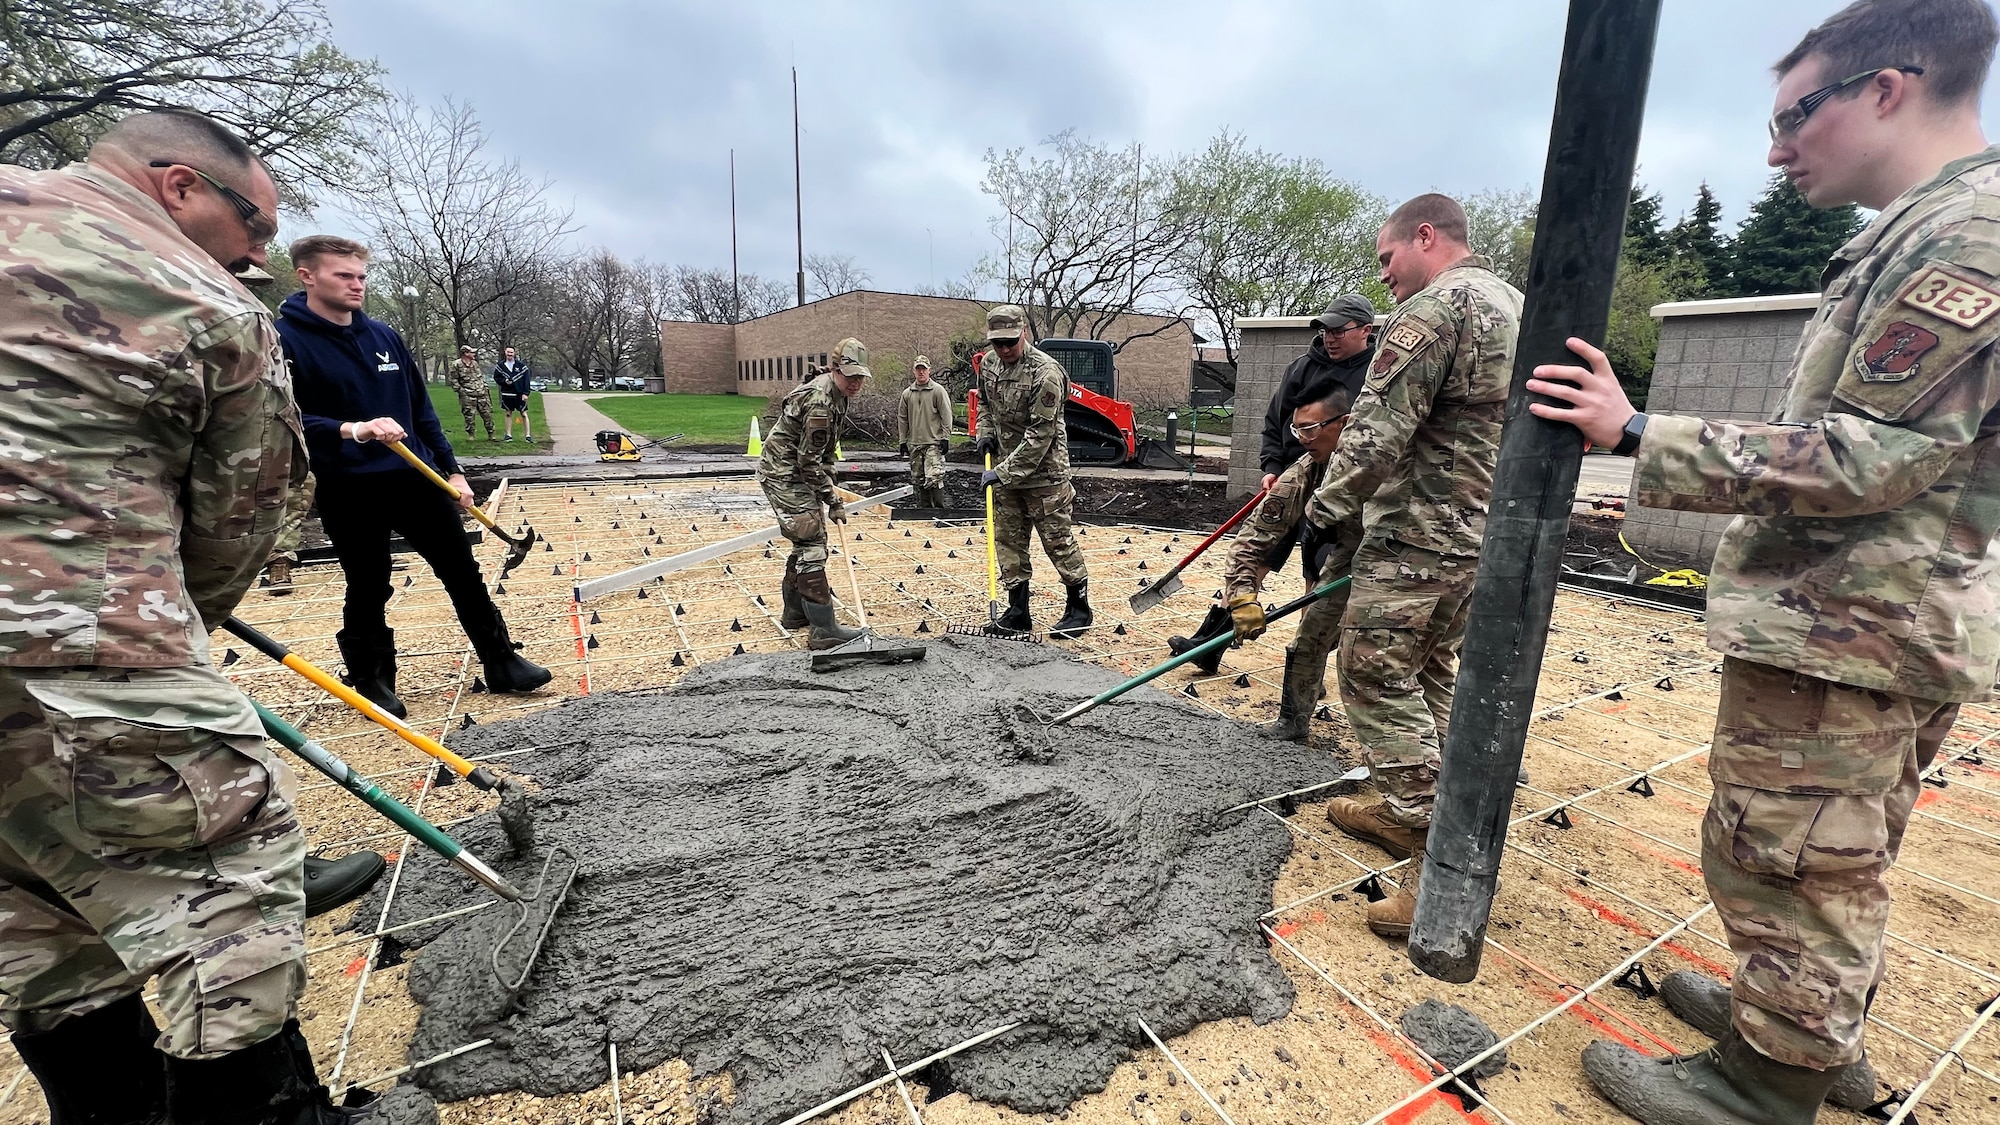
{"x":628,"y":383}
{"x":538,"y":384}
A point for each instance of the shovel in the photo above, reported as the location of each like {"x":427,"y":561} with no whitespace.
{"x":1160,"y":591}
{"x":517,"y":549}
{"x":479,"y":776}
{"x":1210,"y":645}
{"x":862,"y":649}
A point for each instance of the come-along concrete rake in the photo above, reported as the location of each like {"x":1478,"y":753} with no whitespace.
{"x":862,"y":649}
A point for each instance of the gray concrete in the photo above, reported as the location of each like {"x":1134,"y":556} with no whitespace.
{"x":786,"y":873}
{"x":573,"y":424}
{"x":1724,"y":360}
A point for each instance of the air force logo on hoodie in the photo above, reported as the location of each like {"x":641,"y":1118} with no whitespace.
{"x":386,"y":364}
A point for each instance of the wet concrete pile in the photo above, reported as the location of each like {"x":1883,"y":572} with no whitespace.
{"x":786,"y":873}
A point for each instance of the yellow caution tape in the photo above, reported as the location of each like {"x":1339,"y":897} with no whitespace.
{"x":1691,"y":579}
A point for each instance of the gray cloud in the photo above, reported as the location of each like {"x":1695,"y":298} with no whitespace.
{"x":632,"y":109}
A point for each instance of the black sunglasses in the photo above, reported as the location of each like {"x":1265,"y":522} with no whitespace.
{"x":1786,"y":121}
{"x":249,"y":212}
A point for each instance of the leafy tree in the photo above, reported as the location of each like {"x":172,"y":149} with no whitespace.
{"x":1645,"y":239}
{"x":1784,"y":244}
{"x":1268,"y":236}
{"x":1698,"y":247}
{"x":1500,"y":224}
{"x":69,"y":69}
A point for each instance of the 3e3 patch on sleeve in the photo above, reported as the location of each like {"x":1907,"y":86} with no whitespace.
{"x":1955,"y":299}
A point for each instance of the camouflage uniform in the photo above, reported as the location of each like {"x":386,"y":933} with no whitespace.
{"x":1021,"y":406}
{"x":1275,"y":521}
{"x":470,"y":384}
{"x":923,"y":419}
{"x":1418,"y":455}
{"x":796,"y":472}
{"x":144,"y":828}
{"x":298,"y":502}
{"x":1856,"y":596}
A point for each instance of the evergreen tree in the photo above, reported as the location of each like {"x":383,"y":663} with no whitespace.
{"x":1645,"y":241}
{"x":1698,"y":247}
{"x":1785,"y":243}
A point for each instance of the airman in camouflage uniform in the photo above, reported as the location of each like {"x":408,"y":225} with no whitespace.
{"x":1317,"y":425}
{"x":470,"y":383}
{"x":923,"y":426}
{"x":796,"y":472}
{"x":150,"y":441}
{"x":1416,"y":464}
{"x":285,"y":552}
{"x":1856,"y":598}
{"x":1021,"y":394}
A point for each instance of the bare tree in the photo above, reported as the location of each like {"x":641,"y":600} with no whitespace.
{"x":1093,"y":235}
{"x":266,"y":68}
{"x":830,"y":275}
{"x":709,"y":297}
{"x":468,"y":223}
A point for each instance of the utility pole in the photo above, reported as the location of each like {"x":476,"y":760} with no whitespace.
{"x":1138,"y":177}
{"x":1607,"y":60}
{"x":735,"y":274}
{"x":798,"y":188}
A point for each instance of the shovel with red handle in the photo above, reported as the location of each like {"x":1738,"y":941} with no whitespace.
{"x":1160,"y":591}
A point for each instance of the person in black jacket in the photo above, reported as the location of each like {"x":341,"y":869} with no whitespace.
{"x":516,"y":382}
{"x":1340,"y":354}
{"x":358,"y":387}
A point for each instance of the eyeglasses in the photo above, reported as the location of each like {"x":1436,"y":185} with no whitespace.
{"x":251,"y":214}
{"x":1345,"y":329}
{"x":1305,"y":432}
{"x":1786,"y":121}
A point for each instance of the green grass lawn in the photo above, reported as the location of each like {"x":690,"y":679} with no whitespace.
{"x":702,"y":419}
{"x":445,"y":401}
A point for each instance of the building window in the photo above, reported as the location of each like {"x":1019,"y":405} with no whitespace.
{"x":822,"y":359}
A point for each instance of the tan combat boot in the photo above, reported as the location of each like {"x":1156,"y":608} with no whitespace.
{"x":1371,"y":822}
{"x":1392,"y":917}
{"x":280,"y":574}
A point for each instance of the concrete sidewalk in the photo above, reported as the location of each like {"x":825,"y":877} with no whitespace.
{"x":573,"y":424}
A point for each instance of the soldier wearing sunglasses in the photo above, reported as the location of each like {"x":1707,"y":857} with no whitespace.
{"x":1854,"y":598}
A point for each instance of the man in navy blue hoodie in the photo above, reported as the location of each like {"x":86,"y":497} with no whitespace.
{"x":358,"y":387}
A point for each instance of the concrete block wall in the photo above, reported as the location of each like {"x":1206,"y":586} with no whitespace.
{"x":1729,"y":360}
{"x":1270,"y":344}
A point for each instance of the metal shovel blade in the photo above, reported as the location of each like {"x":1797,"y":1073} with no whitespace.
{"x":1156,"y":593}
{"x":865,"y":650}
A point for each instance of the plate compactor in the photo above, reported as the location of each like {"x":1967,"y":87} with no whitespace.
{"x":617,"y":445}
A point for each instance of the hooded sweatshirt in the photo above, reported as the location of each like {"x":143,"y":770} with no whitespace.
{"x":352,"y":373}
{"x":1308,"y":379}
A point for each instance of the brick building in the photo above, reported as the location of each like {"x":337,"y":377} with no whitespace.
{"x":768,"y":355}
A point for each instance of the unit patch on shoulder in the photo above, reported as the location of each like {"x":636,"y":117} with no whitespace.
{"x":1952,"y":298}
{"x":1406,"y":336}
{"x":1894,"y":354}
{"x":1384,"y":360}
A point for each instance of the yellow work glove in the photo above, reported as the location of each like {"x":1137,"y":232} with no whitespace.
{"x":1246,"y":616}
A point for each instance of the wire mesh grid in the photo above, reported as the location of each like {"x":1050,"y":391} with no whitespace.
{"x":1601,"y":891}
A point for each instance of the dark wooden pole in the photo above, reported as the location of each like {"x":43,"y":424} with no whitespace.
{"x":1593,"y":146}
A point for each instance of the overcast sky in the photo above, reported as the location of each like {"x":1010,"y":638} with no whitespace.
{"x":632,"y":107}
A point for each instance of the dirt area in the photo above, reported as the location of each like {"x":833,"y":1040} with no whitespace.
{"x":1626,"y":690}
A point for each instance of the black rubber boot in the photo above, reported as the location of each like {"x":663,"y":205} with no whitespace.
{"x":337,"y":882}
{"x":827,"y":631}
{"x":507,"y":671}
{"x":100,"y":1068}
{"x":1016,"y":619}
{"x":268,"y":1083}
{"x":794,"y":617}
{"x":1212,"y":626}
{"x":1703,"y":1003}
{"x":1295,"y":703}
{"x":1076,"y":616}
{"x":1728,"y":1084}
{"x":371,"y":669}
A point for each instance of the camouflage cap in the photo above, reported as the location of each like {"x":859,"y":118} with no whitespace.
{"x":1006,"y":322}
{"x":1346,"y":308}
{"x":850,"y":357}
{"x":465,"y":349}
{"x":921,"y":361}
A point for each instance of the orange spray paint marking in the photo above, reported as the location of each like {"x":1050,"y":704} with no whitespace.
{"x":355,"y":966}
{"x":1621,"y":921}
